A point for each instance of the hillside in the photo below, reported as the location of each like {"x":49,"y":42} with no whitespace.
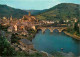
{"x":60,"y":12}
{"x":35,"y":12}
{"x":9,"y":11}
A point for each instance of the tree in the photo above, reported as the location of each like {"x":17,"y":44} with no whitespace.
{"x":61,"y":21}
{"x":14,"y":39}
{"x":5,"y":48}
{"x":76,"y":28}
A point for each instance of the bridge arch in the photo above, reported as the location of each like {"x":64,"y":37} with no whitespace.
{"x":55,"y":30}
{"x":42,"y":29}
{"x":47,"y":29}
{"x":59,"y":29}
{"x":39,"y":29}
{"x":64,"y":29}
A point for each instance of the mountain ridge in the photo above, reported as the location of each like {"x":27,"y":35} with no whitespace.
{"x":8,"y":11}
{"x":61,"y":11}
{"x":58,"y":12}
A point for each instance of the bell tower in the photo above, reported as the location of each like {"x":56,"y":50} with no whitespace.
{"x":29,"y":14}
{"x":11,"y":18}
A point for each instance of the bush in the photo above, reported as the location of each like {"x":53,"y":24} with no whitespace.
{"x":14,"y":38}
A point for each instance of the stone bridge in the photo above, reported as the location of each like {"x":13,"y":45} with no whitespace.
{"x":60,"y":29}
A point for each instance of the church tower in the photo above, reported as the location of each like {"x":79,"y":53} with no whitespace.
{"x":29,"y":14}
{"x":11,"y":18}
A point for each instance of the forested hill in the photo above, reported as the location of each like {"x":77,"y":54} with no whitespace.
{"x":9,"y":11}
{"x":58,"y":12}
{"x":61,"y":11}
{"x":36,"y":12}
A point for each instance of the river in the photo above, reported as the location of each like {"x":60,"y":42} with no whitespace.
{"x":53,"y":42}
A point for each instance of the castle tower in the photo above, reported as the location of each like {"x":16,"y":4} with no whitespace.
{"x":29,"y":14}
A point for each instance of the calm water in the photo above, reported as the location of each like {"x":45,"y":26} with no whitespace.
{"x":54,"y":42}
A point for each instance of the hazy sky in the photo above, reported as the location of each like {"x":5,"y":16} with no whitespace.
{"x":35,"y":4}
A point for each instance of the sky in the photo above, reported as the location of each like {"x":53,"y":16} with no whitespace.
{"x":35,"y":4}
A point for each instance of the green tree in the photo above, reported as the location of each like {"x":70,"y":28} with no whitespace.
{"x":14,"y":38}
{"x":76,"y":28}
{"x":5,"y":48}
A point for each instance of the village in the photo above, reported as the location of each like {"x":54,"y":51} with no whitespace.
{"x":20,"y":32}
{"x":19,"y":29}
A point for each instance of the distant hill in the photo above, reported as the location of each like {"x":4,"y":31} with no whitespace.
{"x":35,"y":12}
{"x":61,"y":12}
{"x":9,"y":11}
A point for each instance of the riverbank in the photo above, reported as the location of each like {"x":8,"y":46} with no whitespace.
{"x":71,"y":35}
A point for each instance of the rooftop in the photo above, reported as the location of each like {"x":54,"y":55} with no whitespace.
{"x":25,"y":41}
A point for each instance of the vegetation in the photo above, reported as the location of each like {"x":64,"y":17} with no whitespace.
{"x":14,"y":38}
{"x":5,"y":48}
{"x":74,"y":30}
{"x":8,"y":11}
{"x":31,"y":34}
{"x":61,"y":11}
{"x":35,"y":12}
{"x":3,"y":27}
